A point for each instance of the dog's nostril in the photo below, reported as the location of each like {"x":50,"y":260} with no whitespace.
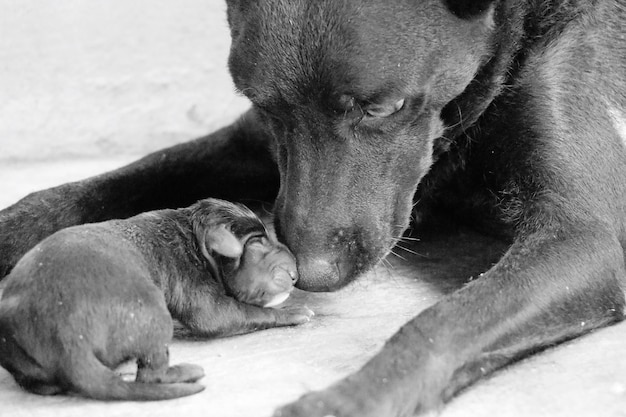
{"x":319,"y":274}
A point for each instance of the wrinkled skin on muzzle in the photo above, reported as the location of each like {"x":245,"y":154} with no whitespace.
{"x":354,"y":122}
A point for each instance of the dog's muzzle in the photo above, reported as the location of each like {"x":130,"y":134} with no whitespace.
{"x":321,"y":274}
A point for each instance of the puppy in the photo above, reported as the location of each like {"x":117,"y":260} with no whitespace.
{"x":90,"y":297}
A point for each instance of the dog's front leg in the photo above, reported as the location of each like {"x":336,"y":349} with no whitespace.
{"x":548,"y":288}
{"x":232,"y":163}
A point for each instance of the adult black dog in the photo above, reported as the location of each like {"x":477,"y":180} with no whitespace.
{"x":506,"y":113}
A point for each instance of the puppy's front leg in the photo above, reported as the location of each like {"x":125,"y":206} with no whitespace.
{"x":548,"y":288}
{"x":227,"y":316}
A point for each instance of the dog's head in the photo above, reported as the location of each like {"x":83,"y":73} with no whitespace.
{"x":253,"y":267}
{"x":352,"y":93}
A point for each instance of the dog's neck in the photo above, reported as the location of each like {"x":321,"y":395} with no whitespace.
{"x":517,"y":29}
{"x":462,"y":112}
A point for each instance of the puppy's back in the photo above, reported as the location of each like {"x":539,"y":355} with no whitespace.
{"x":84,"y":290}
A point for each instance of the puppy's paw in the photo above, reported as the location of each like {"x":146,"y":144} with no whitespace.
{"x":293,"y":315}
{"x":185,"y":372}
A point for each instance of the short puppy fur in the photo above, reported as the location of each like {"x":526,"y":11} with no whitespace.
{"x":90,"y":297}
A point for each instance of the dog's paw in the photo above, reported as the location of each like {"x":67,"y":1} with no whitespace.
{"x":293,"y":315}
{"x":333,"y":402}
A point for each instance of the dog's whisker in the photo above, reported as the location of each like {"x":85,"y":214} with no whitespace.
{"x":454,"y":125}
{"x":387,"y":264}
{"x":267,"y":211}
{"x":410,"y":251}
{"x":398,"y":255}
{"x":408,"y":238}
{"x":460,"y":117}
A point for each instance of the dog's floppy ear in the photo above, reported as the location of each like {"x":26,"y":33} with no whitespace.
{"x":220,"y":239}
{"x":468,"y":9}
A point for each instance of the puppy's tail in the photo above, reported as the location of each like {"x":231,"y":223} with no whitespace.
{"x":101,"y":383}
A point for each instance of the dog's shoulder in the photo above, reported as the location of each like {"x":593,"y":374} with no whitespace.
{"x":562,"y":65}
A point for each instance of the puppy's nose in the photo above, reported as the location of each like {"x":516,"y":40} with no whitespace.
{"x":293,"y":273}
{"x":318,"y":274}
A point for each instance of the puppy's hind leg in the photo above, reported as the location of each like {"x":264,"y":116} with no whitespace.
{"x":155,"y":368}
{"x":89,"y":377}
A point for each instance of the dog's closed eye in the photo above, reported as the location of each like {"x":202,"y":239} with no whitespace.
{"x":383,"y":110}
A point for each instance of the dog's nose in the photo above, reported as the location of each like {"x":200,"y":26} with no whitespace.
{"x":318,"y":274}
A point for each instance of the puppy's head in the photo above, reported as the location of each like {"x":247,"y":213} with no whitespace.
{"x":253,"y":267}
{"x":352,"y":93}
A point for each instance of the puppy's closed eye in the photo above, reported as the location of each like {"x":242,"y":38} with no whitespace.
{"x":258,"y":238}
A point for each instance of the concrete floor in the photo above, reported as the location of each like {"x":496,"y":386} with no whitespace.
{"x":149,"y":73}
{"x":252,"y":374}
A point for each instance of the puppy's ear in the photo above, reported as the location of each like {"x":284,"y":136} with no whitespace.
{"x":221,"y":240}
{"x":469,"y":9}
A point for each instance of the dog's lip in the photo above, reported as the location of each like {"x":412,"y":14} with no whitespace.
{"x":278,"y":299}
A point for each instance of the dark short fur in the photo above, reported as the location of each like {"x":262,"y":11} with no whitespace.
{"x":90,"y":297}
{"x":504,"y":114}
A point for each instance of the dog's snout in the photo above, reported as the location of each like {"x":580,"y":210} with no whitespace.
{"x":318,"y":274}
{"x":329,"y":256}
{"x":334,"y":237}
{"x":337,"y":264}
